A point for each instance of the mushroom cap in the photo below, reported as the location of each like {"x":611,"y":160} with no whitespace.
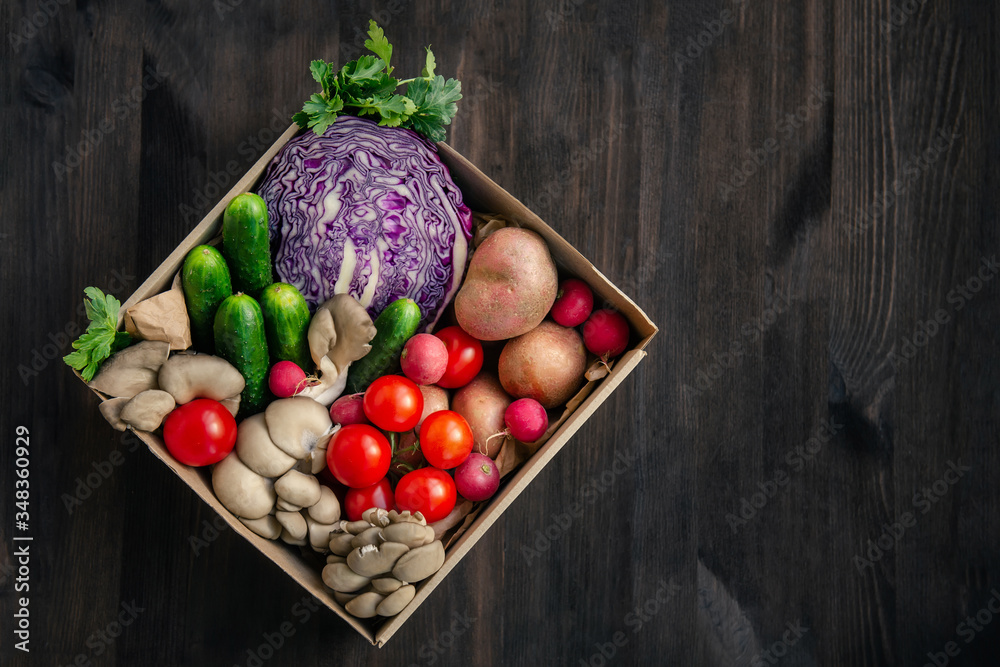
{"x":327,"y":508}
{"x":420,"y":563}
{"x":415,"y":517}
{"x":340,"y":543}
{"x":288,"y":538}
{"x":286,"y":506}
{"x":267,"y":527}
{"x":243,"y":492}
{"x":365,"y":605}
{"x":340,"y":577}
{"x":367,"y":537}
{"x":386,"y":585}
{"x":301,"y":428}
{"x":319,"y":534}
{"x":376,"y":516}
{"x":132,"y":370}
{"x":298,"y":488}
{"x":294,"y":523}
{"x":344,"y":598}
{"x":147,"y":409}
{"x":334,"y":558}
{"x":341,"y":329}
{"x":191,"y":376}
{"x":396,"y":601}
{"x":111,"y":409}
{"x":356,"y":527}
{"x":232,"y":404}
{"x":409,"y":533}
{"x":256,"y":449}
{"x":371,"y":561}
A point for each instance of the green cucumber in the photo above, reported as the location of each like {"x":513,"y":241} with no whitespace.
{"x":246,"y":244}
{"x":286,"y":323}
{"x":206,"y":283}
{"x":394,"y":326}
{"x":240,"y":340}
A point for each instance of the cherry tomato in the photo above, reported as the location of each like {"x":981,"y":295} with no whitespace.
{"x":378,"y":494}
{"x":465,"y":357}
{"x":200,"y":433}
{"x":394,"y":403}
{"x":446,"y":439}
{"x":358,"y":455}
{"x":429,"y":491}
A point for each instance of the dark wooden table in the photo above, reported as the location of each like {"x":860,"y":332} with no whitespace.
{"x":803,"y":196}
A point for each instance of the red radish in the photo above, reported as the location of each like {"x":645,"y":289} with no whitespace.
{"x":526,"y":419}
{"x":477,"y":478}
{"x":424,"y":359}
{"x":573,"y":303}
{"x":349,"y":410}
{"x":286,"y":379}
{"x":605,"y":333}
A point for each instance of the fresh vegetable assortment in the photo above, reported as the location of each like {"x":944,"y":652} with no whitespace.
{"x":334,"y":365}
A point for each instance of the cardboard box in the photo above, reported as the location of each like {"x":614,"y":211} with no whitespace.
{"x":481,"y":194}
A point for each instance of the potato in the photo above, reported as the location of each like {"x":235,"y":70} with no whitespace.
{"x":435,"y":399}
{"x":546,"y":364}
{"x":482,"y":402}
{"x":510,"y":286}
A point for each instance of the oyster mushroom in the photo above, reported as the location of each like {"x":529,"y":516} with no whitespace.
{"x":420,"y":563}
{"x":298,"y":488}
{"x":327,"y":508}
{"x":111,"y":410}
{"x":386,"y":585}
{"x":367,"y":537}
{"x":293,"y":523}
{"x":267,"y":527}
{"x":340,"y":577}
{"x":146,"y":410}
{"x":339,"y":333}
{"x":256,"y":449}
{"x":370,"y":560}
{"x":190,"y":376}
{"x":132,"y":370}
{"x":396,"y":601}
{"x":409,"y":533}
{"x":365,"y":605}
{"x":243,"y":492}
{"x":318,"y":534}
{"x":301,"y":428}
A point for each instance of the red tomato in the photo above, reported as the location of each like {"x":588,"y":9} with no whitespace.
{"x":358,"y":455}
{"x":200,"y":433}
{"x":446,"y":439}
{"x":378,"y":494}
{"x":429,"y":491}
{"x":394,"y":403}
{"x":465,"y":357}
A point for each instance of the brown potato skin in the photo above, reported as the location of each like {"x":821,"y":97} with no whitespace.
{"x":483,"y":402}
{"x":546,"y":364}
{"x":510,"y":286}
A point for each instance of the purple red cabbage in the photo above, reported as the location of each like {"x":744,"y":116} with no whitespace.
{"x":367,"y":210}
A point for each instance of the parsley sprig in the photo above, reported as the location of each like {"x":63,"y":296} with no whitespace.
{"x":366,"y":87}
{"x":101,"y":339}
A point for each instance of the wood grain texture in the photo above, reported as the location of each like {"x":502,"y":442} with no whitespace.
{"x":801,"y":196}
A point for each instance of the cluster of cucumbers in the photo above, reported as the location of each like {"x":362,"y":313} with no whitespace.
{"x":236,"y":309}
{"x":238,"y":312}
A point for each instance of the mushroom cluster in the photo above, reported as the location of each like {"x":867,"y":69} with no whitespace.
{"x":146,"y":385}
{"x":268,"y":480}
{"x":375,"y":562}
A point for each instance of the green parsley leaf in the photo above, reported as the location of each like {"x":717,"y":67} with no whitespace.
{"x":435,"y":100}
{"x":428,"y":71}
{"x":101,"y":339}
{"x":366,"y":87}
{"x":379,"y":45}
